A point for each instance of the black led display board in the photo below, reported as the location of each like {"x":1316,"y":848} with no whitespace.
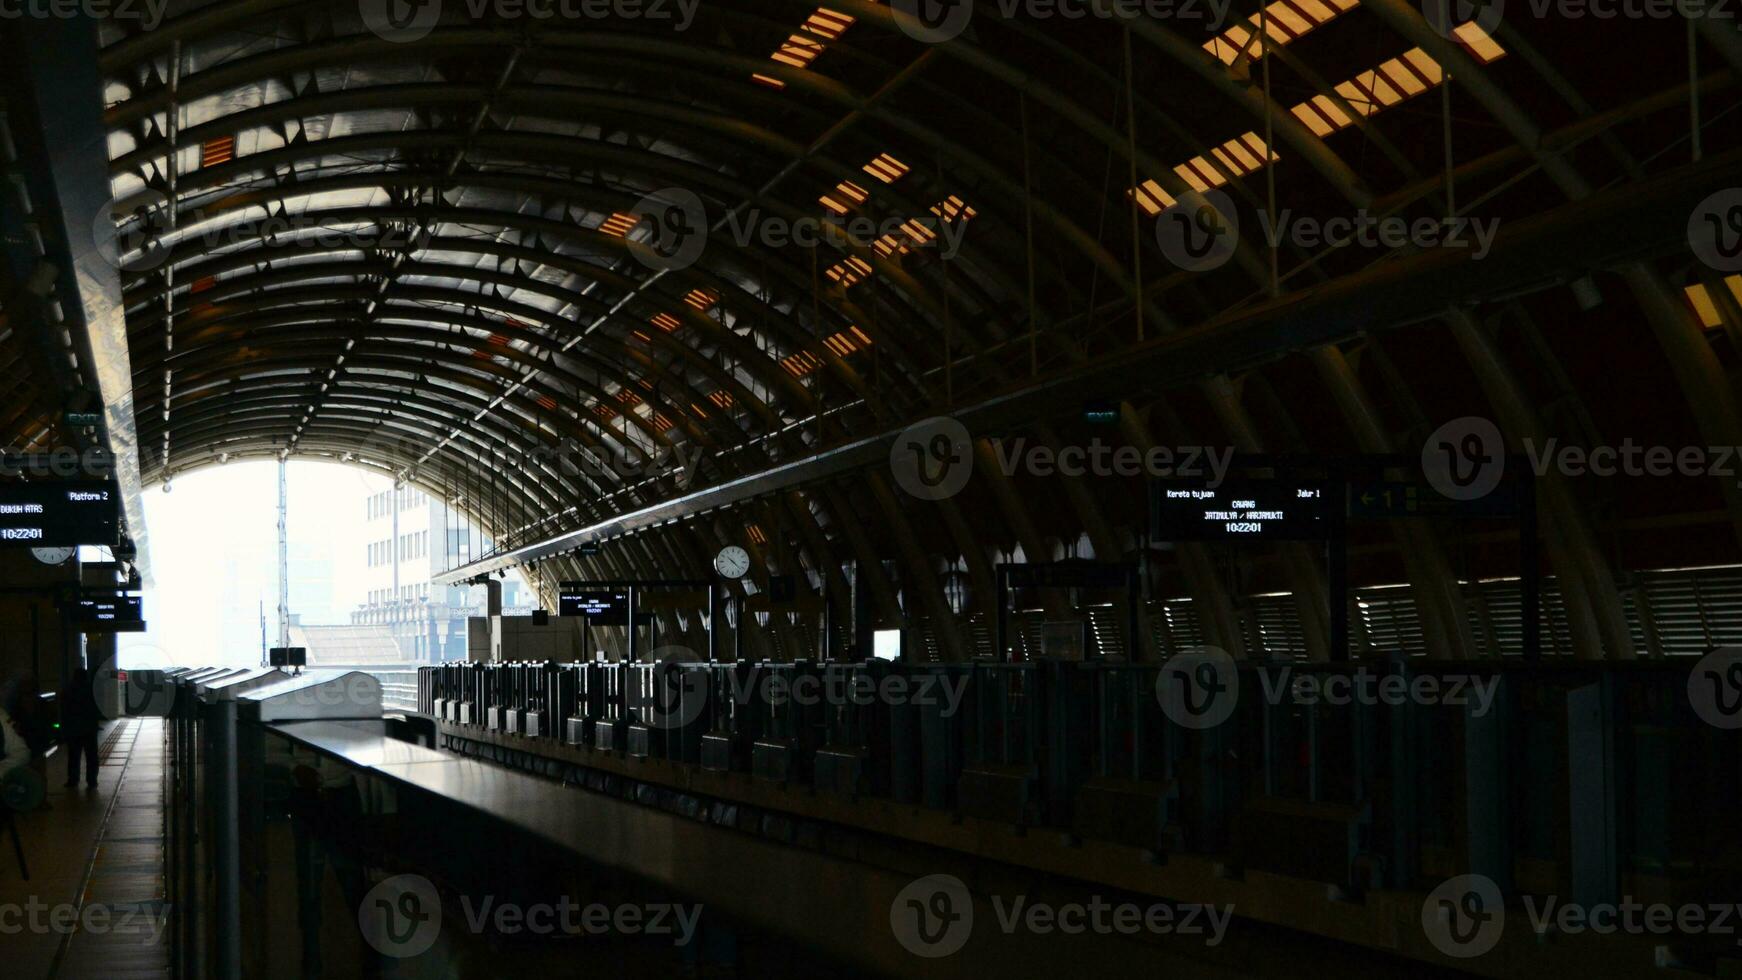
{"x":108,"y":614}
{"x":602,"y":607}
{"x":58,"y":514}
{"x":287,"y":657}
{"x":1249,"y":510}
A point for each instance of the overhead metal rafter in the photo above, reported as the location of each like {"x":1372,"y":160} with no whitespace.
{"x":1634,"y":223}
{"x":689,"y":114}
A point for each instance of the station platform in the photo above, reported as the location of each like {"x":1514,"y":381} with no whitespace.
{"x":93,"y":905}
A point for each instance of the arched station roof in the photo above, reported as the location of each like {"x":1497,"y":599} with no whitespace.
{"x":465,"y":244}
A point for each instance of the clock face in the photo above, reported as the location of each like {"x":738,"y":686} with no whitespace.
{"x":52,"y":556}
{"x":732,"y":562}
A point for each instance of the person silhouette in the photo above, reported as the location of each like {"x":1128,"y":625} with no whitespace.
{"x":79,"y":719}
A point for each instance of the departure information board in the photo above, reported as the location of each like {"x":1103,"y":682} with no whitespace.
{"x":602,"y":607}
{"x":109,"y":614}
{"x":1258,"y":510}
{"x":58,"y":514}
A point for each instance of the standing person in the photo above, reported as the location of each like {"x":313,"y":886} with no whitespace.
{"x":78,"y":727}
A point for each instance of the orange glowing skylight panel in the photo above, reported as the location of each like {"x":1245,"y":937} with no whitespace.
{"x":216,"y":151}
{"x":801,"y":363}
{"x":888,"y":245}
{"x":619,"y":224}
{"x":807,"y":43}
{"x":886,"y":168}
{"x":1285,"y":21}
{"x":1391,"y":83}
{"x":848,"y":341}
{"x":952,"y":208}
{"x":850,"y":271}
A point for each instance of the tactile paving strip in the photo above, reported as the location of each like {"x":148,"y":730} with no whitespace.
{"x":124,"y":922}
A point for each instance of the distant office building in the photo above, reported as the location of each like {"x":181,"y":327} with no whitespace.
{"x":314,"y":594}
{"x":409,"y":538}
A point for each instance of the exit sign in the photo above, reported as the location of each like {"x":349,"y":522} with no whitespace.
{"x":1390,"y":499}
{"x":1101,"y":413}
{"x":84,"y":420}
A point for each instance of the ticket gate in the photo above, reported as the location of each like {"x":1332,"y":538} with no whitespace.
{"x":1092,"y":750}
{"x":215,"y":802}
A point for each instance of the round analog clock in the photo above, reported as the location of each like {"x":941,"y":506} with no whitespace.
{"x":52,"y":556}
{"x":732,"y":562}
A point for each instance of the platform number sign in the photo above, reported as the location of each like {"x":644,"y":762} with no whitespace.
{"x":58,"y":515}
